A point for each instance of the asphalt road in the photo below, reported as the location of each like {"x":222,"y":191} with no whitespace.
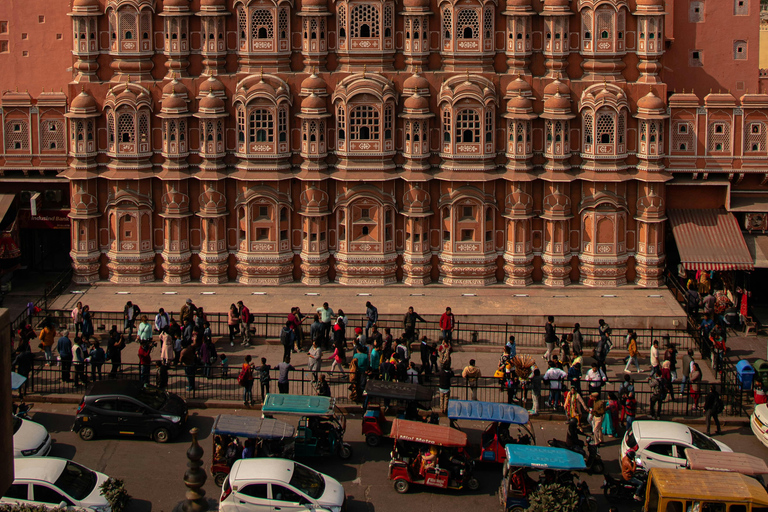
{"x":153,"y":472}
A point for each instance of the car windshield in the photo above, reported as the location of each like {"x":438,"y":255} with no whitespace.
{"x":152,"y":397}
{"x":307,"y":481}
{"x":702,"y":442}
{"x":76,"y":481}
{"x":16,"y":424}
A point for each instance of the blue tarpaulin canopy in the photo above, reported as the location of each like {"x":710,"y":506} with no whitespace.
{"x":17,"y":380}
{"x":487,"y":411}
{"x":543,"y":457}
{"x":245,"y":426}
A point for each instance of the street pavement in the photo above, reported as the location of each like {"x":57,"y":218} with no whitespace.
{"x":153,"y":472}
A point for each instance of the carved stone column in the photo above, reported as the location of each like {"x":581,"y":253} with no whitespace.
{"x":557,"y":251}
{"x":518,"y":253}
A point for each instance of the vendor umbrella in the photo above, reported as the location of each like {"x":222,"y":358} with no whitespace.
{"x":17,"y":380}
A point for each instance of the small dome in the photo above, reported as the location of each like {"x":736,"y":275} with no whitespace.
{"x":519,"y":102}
{"x":556,"y":87}
{"x":211,"y":102}
{"x":127,"y":94}
{"x":213,"y":3}
{"x":211,"y":85}
{"x":314,"y":3}
{"x":313,"y":82}
{"x":556,"y":3}
{"x":416,"y":81}
{"x":84,"y":101}
{"x":176,"y":3}
{"x":85,"y":3}
{"x":416,"y":102}
{"x":263,"y":88}
{"x":650,"y":3}
{"x":651,"y":102}
{"x":416,"y":4}
{"x":313,"y":101}
{"x":174,"y":86}
{"x":557,"y":102}
{"x":174,"y":102}
{"x":518,"y":86}
{"x":516,"y":5}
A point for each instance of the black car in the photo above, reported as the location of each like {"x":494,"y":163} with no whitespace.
{"x":125,"y":407}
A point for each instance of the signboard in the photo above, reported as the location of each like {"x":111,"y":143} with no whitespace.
{"x":45,"y":219}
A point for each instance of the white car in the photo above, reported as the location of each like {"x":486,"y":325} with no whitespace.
{"x":265,"y":485}
{"x":662,"y":444}
{"x":56,"y":483}
{"x":759,"y":423}
{"x":30,"y":439}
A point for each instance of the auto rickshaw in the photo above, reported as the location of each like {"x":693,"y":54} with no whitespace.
{"x":673,"y":490}
{"x":271,"y":438}
{"x":496,"y":435}
{"x":321,"y":425}
{"x":555,"y":465}
{"x":729,"y":462}
{"x":409,"y":397}
{"x":431,"y":455}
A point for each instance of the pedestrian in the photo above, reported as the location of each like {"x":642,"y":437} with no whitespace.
{"x":166,"y":347}
{"x":187,"y":311}
{"x":425,"y":350}
{"x":633,"y":355}
{"x":603,"y":329}
{"x":626,"y":388}
{"x":535,"y":380}
{"x":630,"y":410}
{"x":577,"y":343}
{"x":144,"y":332}
{"x":713,"y":406}
{"x":294,"y":322}
{"x":658,"y":395}
{"x":511,"y":345}
{"x":666,"y":378}
{"x":402,"y":350}
{"x":78,"y":363}
{"x":208,"y":356}
{"x":224,"y":365}
{"x":187,"y":332}
{"x":444,"y":354}
{"x":595,"y":379}
{"x":315,"y":355}
{"x":409,"y":324}
{"x":131,"y":312}
{"x":188,"y":359}
{"x":47,"y":335}
{"x":363,"y":364}
{"x":600,"y":353}
{"x":233,"y":322}
{"x":706,"y":326}
{"x":316,"y":330}
{"x":116,"y":346}
{"x":412,"y":374}
{"x":671,"y":355}
{"x":471,"y":374}
{"x":337,"y":364}
{"x":687,"y":368}
{"x":611,"y":419}
{"x":322,"y":387}
{"x":444,"y":387}
{"x":282,"y":379}
{"x":574,"y":405}
{"x":354,"y":379}
{"x":145,"y":361}
{"x":597,"y":413}
{"x":447,"y":324}
{"x":550,"y":337}
{"x":264,"y":378}
{"x":326,"y":315}
{"x":286,"y":339}
{"x":555,"y":376}
{"x":64,"y":348}
{"x":655,"y":368}
{"x":98,"y":357}
{"x":161,"y":375}
{"x":245,"y":323}
{"x":387,"y":345}
{"x":178,"y":346}
{"x":574,"y":374}
{"x":375,"y":359}
{"x":162,"y":321}
{"x":245,"y":379}
{"x":693,"y":301}
{"x":371,"y":315}
{"x":77,"y":318}
{"x":695,"y":384}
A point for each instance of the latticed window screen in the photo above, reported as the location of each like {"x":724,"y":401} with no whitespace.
{"x":587,"y":128}
{"x":282,"y":124}
{"x":261,"y":24}
{"x":682,"y":137}
{"x":364,"y":123}
{"x":488,"y":124}
{"x":654,"y":135}
{"x":719,"y":136}
{"x":447,"y":23}
{"x":241,"y":124}
{"x":341,"y":122}
{"x":364,"y":21}
{"x":182,"y":130}
{"x":550,"y":138}
{"x":388,"y":20}
{"x":488,"y":23}
{"x":125,"y":128}
{"x":111,"y":128}
{"x":53,"y":135}
{"x":342,"y":16}
{"x":145,"y":24}
{"x":755,"y":139}
{"x":312,"y":131}
{"x":282,"y":23}
{"x":604,"y":23}
{"x":520,"y":132}
{"x":77,"y":130}
{"x":143,"y":127}
{"x":416,"y":132}
{"x":467,"y":126}
{"x":16,"y":135}
{"x":388,"y":122}
{"x":644,"y":131}
{"x":605,"y":132}
{"x":208,"y":132}
{"x":586,"y":25}
{"x":261,"y":126}
{"x":467,"y":24}
{"x":242,"y":24}
{"x":127,"y":19}
{"x":558,"y":131}
{"x":219,"y":131}
{"x":620,"y":131}
{"x":446,"y":125}
{"x":312,"y":28}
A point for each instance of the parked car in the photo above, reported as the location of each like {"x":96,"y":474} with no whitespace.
{"x":30,"y":439}
{"x":56,"y":483}
{"x":125,"y":407}
{"x":759,"y":423}
{"x":265,"y":485}
{"x":662,"y":444}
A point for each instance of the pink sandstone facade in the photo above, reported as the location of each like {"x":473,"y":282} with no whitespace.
{"x":368,"y":142}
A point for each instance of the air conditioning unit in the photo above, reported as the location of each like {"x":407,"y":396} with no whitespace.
{"x":756,"y":222}
{"x":53,"y":196}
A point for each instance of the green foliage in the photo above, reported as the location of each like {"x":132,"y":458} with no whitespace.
{"x":19,"y":507}
{"x":113,"y":489}
{"x":553,"y":498}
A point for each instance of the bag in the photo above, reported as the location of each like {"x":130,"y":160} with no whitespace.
{"x":246,"y":317}
{"x":499,"y":374}
{"x":242,"y":376}
{"x":599,"y":408}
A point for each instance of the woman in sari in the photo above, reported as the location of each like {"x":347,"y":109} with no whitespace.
{"x":574,"y":405}
{"x":611,"y":420}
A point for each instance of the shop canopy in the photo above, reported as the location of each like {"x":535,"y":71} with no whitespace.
{"x":709,"y":240}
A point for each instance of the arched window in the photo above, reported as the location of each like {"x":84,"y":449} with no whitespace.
{"x":341,"y":123}
{"x":446,"y":125}
{"x":364,"y":123}
{"x":467,"y":126}
{"x":364,"y":20}
{"x":605,"y":129}
{"x":468,"y":24}
{"x":126,"y":128}
{"x":261,"y":126}
{"x":261,"y":24}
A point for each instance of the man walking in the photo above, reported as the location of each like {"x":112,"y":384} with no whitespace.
{"x":372,"y":315}
{"x":187,"y":311}
{"x":687,"y":368}
{"x":409,"y":323}
{"x":130,"y":313}
{"x":264,"y":378}
{"x":245,"y":323}
{"x":282,"y":380}
{"x":78,"y":360}
{"x":64,"y":348}
{"x":633,"y":354}
{"x":655,"y":370}
{"x":550,"y":337}
{"x":447,"y":324}
{"x":162,"y":321}
{"x":326,"y":315}
{"x":555,"y":376}
{"x":444,"y":387}
{"x":286,"y":340}
{"x":471,"y":374}
{"x":713,"y":407}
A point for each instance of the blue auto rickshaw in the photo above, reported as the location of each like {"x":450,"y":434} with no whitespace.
{"x":321,"y":425}
{"x":496,"y":435}
{"x":554,"y":465}
{"x":270,"y":438}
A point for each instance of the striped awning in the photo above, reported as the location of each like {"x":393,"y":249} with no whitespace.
{"x":709,"y":240}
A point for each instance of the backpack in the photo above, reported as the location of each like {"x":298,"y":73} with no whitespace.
{"x":599,"y":408}
{"x":285,"y":337}
{"x":243,"y":375}
{"x":264,"y":374}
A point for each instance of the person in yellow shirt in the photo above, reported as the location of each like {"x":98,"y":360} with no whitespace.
{"x":633,"y":354}
{"x":47,"y":336}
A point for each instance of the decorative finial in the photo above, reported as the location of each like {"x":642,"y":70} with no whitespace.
{"x":261,"y":73}
{"x":43,"y":89}
{"x":365,"y":68}
{"x":194,"y":478}
{"x":467,"y":75}
{"x":82,"y":88}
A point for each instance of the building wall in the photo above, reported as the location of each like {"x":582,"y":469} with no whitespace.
{"x":520,"y":143}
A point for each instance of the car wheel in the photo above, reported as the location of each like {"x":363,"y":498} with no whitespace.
{"x":473,"y":484}
{"x":402,"y":485}
{"x":345,"y":451}
{"x":219,"y":478}
{"x":162,"y":435}
{"x":87,"y":434}
{"x":372,"y":440}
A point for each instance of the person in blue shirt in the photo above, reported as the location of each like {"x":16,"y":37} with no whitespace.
{"x":512,"y":346}
{"x":64,"y":348}
{"x":362,"y":367}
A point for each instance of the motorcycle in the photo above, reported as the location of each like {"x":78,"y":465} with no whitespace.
{"x":22,"y":410}
{"x":618,"y":489}
{"x":592,"y":457}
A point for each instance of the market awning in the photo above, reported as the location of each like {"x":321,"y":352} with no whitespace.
{"x":758,"y":248}
{"x":709,"y":240}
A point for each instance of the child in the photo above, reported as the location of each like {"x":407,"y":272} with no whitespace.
{"x":630,"y":409}
{"x":224,"y":366}
{"x":433,"y":358}
{"x":535,"y":383}
{"x":337,"y":361}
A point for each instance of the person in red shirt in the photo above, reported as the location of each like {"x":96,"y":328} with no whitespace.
{"x":447,"y":324}
{"x":760,"y":396}
{"x":145,"y":361}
